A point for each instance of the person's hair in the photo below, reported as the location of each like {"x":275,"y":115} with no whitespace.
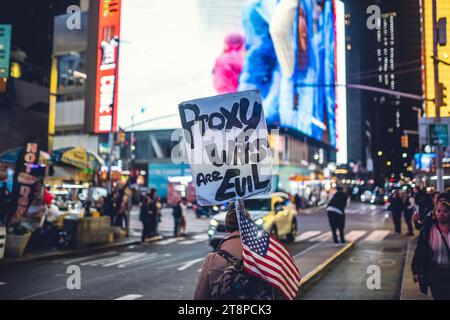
{"x":444,"y":198}
{"x":231,"y":220}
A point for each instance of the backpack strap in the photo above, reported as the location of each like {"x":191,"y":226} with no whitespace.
{"x":228,"y":256}
{"x":228,"y":238}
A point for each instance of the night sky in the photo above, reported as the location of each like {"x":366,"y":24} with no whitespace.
{"x":32,"y":26}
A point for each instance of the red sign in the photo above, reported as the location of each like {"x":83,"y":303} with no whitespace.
{"x":106,"y":83}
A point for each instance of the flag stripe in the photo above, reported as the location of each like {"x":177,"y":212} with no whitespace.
{"x":280,"y":247}
{"x":270,"y":276}
{"x":288,"y":269}
{"x":268,"y":258}
{"x":289,"y":264}
{"x":257,"y":273}
{"x":275,"y":267}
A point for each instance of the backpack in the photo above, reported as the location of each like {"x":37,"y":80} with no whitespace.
{"x":237,"y":284}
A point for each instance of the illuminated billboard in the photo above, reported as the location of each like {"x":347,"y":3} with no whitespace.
{"x":206,"y":47}
{"x":106,"y":83}
{"x":443,"y":10}
{"x":291,"y":59}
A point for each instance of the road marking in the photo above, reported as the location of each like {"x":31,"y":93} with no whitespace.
{"x":323,"y":237}
{"x":189,"y":264}
{"x":377,"y":235}
{"x":307,"y":235}
{"x":125,"y":259}
{"x":99,"y":262}
{"x":2,"y":283}
{"x":146,"y":258}
{"x":130,"y":297}
{"x":87,"y":257}
{"x":355,"y":235}
{"x":202,"y":236}
{"x":168,"y":241}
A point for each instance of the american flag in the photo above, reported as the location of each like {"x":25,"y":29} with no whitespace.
{"x":267,"y":259}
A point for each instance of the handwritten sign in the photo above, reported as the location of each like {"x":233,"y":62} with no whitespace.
{"x":227,"y":146}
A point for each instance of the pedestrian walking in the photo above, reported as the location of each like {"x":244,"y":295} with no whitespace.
{"x":177,"y":214}
{"x":420,"y":219}
{"x":154,"y":212}
{"x":423,"y":199}
{"x":431,"y":261}
{"x":336,"y":214}
{"x":409,"y":210}
{"x":183,"y":205}
{"x":298,"y":202}
{"x":396,"y":208}
{"x":108,"y":207}
{"x":220,"y":276}
{"x":144,"y":217}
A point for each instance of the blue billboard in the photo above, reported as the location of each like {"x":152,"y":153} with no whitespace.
{"x":290,"y":57}
{"x":5,"y":49}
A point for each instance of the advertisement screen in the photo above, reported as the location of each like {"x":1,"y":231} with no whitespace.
{"x":291,"y":58}
{"x":284,"y":48}
{"x":106,"y":83}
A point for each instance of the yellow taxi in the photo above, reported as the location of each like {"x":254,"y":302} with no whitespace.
{"x":274,"y":212}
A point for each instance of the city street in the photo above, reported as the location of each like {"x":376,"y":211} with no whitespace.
{"x":168,"y":269}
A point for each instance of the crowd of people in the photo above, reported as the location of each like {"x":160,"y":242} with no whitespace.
{"x":413,"y":205}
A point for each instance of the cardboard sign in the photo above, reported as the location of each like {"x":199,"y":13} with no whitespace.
{"x":227,"y":146}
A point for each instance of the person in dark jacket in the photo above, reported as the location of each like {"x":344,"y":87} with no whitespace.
{"x":336,"y":214}
{"x":421,"y":218}
{"x":396,"y":208}
{"x":144,"y":217}
{"x":409,"y":210}
{"x":153,"y":206}
{"x":423,"y":199}
{"x":431,"y":261}
{"x":177,"y":213}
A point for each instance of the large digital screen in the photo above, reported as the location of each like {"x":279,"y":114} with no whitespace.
{"x":290,"y":57}
{"x":172,"y":51}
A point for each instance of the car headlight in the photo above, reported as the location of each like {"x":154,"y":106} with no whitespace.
{"x":259,"y":222}
{"x":215,"y":208}
{"x":214,"y":222}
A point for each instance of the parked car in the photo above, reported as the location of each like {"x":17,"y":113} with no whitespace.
{"x":206,"y":211}
{"x":274,"y":212}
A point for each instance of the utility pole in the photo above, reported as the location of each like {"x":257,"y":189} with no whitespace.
{"x":132,"y":149}
{"x":111,"y":132}
{"x":439,"y":170}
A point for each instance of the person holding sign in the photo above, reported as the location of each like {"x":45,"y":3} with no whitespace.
{"x":228,"y":150}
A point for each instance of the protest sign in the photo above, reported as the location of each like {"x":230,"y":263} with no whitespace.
{"x":227,"y":146}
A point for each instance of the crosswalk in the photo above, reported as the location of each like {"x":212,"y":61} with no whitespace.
{"x":166,"y":225}
{"x":353,"y":235}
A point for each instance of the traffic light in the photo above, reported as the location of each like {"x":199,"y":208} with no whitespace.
{"x":120,"y":137}
{"x":404,"y":141}
{"x":442,"y":31}
{"x":441,"y":95}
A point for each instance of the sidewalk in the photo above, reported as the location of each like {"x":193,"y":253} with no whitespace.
{"x":54,"y":252}
{"x":315,"y":261}
{"x":410,"y":290}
